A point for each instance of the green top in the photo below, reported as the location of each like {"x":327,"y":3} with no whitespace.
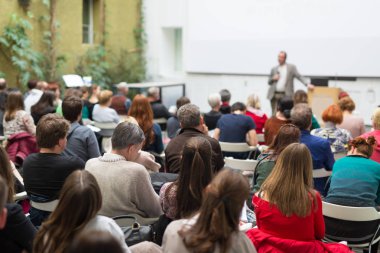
{"x":262,"y":171}
{"x":314,"y":123}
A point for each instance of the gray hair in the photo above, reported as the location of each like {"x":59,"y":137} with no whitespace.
{"x":301,"y":115}
{"x":154,"y":92}
{"x":126,"y":134}
{"x":214,"y":100}
{"x":189,"y":115}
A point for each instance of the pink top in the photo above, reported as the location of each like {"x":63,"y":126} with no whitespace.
{"x":376,"y":152}
{"x":270,"y":220}
{"x":354,"y":124}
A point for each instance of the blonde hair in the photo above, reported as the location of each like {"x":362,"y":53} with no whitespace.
{"x":254,"y":101}
{"x":104,"y":96}
{"x":290,"y":184}
{"x":376,"y":118}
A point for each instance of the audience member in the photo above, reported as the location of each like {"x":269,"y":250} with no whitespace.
{"x":237,"y":128}
{"x":375,"y":133}
{"x":159,"y":110}
{"x":273,"y":124}
{"x":3,"y":103}
{"x":16,"y":230}
{"x":287,"y":134}
{"x":80,"y":199}
{"x":216,"y":227}
{"x":352,"y":123}
{"x":34,"y":94}
{"x":212,"y":117}
{"x":120,"y":102}
{"x":337,"y":137}
{"x":102,"y":111}
{"x":44,"y":106}
{"x":125,"y":186}
{"x":142,"y":112}
{"x":225,"y":96}
{"x":319,"y":147}
{"x":300,"y":96}
{"x":13,"y":178}
{"x":16,"y":120}
{"x":355,"y":180}
{"x":95,"y":241}
{"x":192,"y":125}
{"x":176,"y":199}
{"x":254,"y":111}
{"x":3,"y":85}
{"x":46,"y":171}
{"x":81,"y":140}
{"x":173,"y":126}
{"x":288,"y":209}
{"x":93,"y":99}
{"x":32,"y":85}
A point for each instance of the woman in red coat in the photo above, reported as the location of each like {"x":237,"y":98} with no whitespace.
{"x":288,"y":209}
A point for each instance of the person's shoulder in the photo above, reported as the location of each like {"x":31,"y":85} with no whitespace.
{"x":242,"y":244}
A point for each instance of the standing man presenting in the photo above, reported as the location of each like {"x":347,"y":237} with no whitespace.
{"x":281,"y":81}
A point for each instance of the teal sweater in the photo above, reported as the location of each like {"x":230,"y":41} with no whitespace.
{"x":355,"y":181}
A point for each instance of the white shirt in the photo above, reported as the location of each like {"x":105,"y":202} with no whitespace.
{"x":32,"y":99}
{"x":282,"y":72}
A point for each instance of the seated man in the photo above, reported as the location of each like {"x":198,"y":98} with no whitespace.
{"x":81,"y":140}
{"x":125,"y":185}
{"x":236,"y":127}
{"x":173,"y":122}
{"x":319,"y":147}
{"x":120,"y":102}
{"x":212,"y":117}
{"x":192,"y":125}
{"x":16,"y":231}
{"x":46,"y":171}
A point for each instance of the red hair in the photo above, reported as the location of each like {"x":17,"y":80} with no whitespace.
{"x":142,"y":112}
{"x":332,"y":114}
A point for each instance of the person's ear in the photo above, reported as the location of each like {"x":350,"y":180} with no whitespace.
{"x":202,"y":121}
{"x":3,"y":218}
{"x":62,"y":142}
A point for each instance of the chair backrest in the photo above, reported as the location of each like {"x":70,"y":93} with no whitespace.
{"x":350,"y":213}
{"x":260,"y":138}
{"x":244,"y":165}
{"x":319,"y":173}
{"x":160,"y":121}
{"x":20,"y":196}
{"x":106,"y":128}
{"x":236,"y":147}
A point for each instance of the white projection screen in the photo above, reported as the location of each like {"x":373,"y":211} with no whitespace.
{"x":322,"y":37}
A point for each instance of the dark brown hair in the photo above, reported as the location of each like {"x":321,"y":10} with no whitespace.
{"x":72,"y":108}
{"x":219,"y":214}
{"x":300,"y":96}
{"x":142,"y":111}
{"x":15,"y":103}
{"x":95,"y":242}
{"x":46,"y":100}
{"x":195,"y":174}
{"x":287,"y":134}
{"x":332,"y":114}
{"x":6,"y":173}
{"x":50,"y":129}
{"x":79,"y":202}
{"x":346,"y":104}
{"x":363,"y":146}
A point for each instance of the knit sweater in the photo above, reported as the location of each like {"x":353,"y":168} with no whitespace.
{"x":355,"y":181}
{"x":125,"y":186}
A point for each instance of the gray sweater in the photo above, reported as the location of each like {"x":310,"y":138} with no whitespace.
{"x":125,"y":186}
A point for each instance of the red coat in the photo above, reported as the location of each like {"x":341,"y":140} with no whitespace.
{"x":20,"y":145}
{"x":279,"y":233}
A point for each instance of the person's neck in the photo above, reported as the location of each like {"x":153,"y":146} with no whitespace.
{"x":346,"y":113}
{"x":280,"y":116}
{"x":238,"y":112}
{"x":55,"y":150}
{"x":215,"y":109}
{"x":118,"y":152}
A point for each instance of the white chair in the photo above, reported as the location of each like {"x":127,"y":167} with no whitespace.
{"x":343,"y":220}
{"x":239,"y":164}
{"x":237,"y":147}
{"x":106,"y":131}
{"x":160,"y":121}
{"x":319,"y":173}
{"x":20,"y":196}
{"x":260,"y":138}
{"x":46,"y":206}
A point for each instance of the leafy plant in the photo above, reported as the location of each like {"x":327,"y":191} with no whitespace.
{"x":16,"y":47}
{"x":127,"y":67}
{"x":93,"y":64}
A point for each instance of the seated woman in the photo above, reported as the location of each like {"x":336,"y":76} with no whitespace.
{"x":375,"y":133}
{"x":216,"y":226}
{"x":273,"y":124}
{"x":254,"y":111}
{"x":352,"y":123}
{"x":13,"y":178}
{"x":337,"y":137}
{"x":16,"y":120}
{"x":44,"y":106}
{"x":81,"y":199}
{"x":288,"y":209}
{"x":287,"y":134}
{"x":142,"y":112}
{"x":102,"y":111}
{"x":355,"y":179}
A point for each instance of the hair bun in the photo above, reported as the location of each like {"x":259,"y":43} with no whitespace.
{"x":371,"y":140}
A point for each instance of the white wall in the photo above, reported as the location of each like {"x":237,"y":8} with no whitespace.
{"x":161,"y":16}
